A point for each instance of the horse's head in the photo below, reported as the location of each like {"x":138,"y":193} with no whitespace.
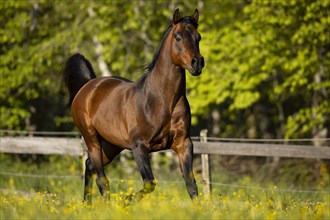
{"x":185,"y":43}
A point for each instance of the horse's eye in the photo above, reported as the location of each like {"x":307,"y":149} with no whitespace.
{"x":177,"y":36}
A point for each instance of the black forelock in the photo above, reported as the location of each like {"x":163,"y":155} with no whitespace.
{"x":189,"y":20}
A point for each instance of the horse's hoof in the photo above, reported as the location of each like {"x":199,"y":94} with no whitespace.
{"x":129,"y":199}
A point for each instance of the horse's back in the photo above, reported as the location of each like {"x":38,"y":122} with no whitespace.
{"x":98,"y":89}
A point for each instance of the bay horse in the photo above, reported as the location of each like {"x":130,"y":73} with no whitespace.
{"x":151,"y":114}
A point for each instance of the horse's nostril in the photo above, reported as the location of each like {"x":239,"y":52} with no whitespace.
{"x":202,"y":64}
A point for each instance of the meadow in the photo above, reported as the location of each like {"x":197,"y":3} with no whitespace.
{"x":45,"y":190}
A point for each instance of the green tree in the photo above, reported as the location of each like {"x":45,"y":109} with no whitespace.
{"x":267,"y":62}
{"x":270,"y":62}
{"x":35,"y":39}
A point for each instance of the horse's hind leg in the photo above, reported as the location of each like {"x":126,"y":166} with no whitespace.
{"x":94,"y":164}
{"x":89,"y":173}
{"x":141,"y":156}
{"x":109,"y":152}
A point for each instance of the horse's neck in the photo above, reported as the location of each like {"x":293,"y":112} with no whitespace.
{"x":166,"y":79}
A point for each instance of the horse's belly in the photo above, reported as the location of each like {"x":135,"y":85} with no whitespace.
{"x":113,"y":131}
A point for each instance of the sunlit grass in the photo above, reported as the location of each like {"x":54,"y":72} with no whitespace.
{"x":169,"y":201}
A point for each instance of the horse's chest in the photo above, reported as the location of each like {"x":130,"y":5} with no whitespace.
{"x":159,"y":142}
{"x":155,"y":136}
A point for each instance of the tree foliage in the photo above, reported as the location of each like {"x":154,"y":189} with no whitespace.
{"x":267,"y":62}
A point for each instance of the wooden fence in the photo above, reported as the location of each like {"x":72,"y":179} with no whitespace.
{"x":75,"y":146}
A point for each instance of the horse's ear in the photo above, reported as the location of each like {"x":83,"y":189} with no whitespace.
{"x":176,"y":16}
{"x":196,"y":15}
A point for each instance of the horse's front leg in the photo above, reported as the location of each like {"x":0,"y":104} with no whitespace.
{"x":185,"y":154}
{"x":141,"y":156}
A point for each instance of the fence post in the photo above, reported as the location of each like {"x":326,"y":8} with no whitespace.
{"x":206,"y":171}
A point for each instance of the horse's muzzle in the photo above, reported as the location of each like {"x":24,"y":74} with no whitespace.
{"x":197,"y":65}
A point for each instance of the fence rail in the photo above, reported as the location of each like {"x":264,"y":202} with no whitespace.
{"x":41,"y":145}
{"x":265,"y":150}
{"x":74,"y":146}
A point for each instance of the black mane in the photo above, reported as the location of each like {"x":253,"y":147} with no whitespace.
{"x":188,"y":20}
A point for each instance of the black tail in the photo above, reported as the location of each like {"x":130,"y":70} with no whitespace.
{"x":78,"y":71}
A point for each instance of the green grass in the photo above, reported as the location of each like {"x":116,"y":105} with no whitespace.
{"x":44,"y":197}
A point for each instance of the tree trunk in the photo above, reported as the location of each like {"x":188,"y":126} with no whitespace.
{"x":105,"y":71}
